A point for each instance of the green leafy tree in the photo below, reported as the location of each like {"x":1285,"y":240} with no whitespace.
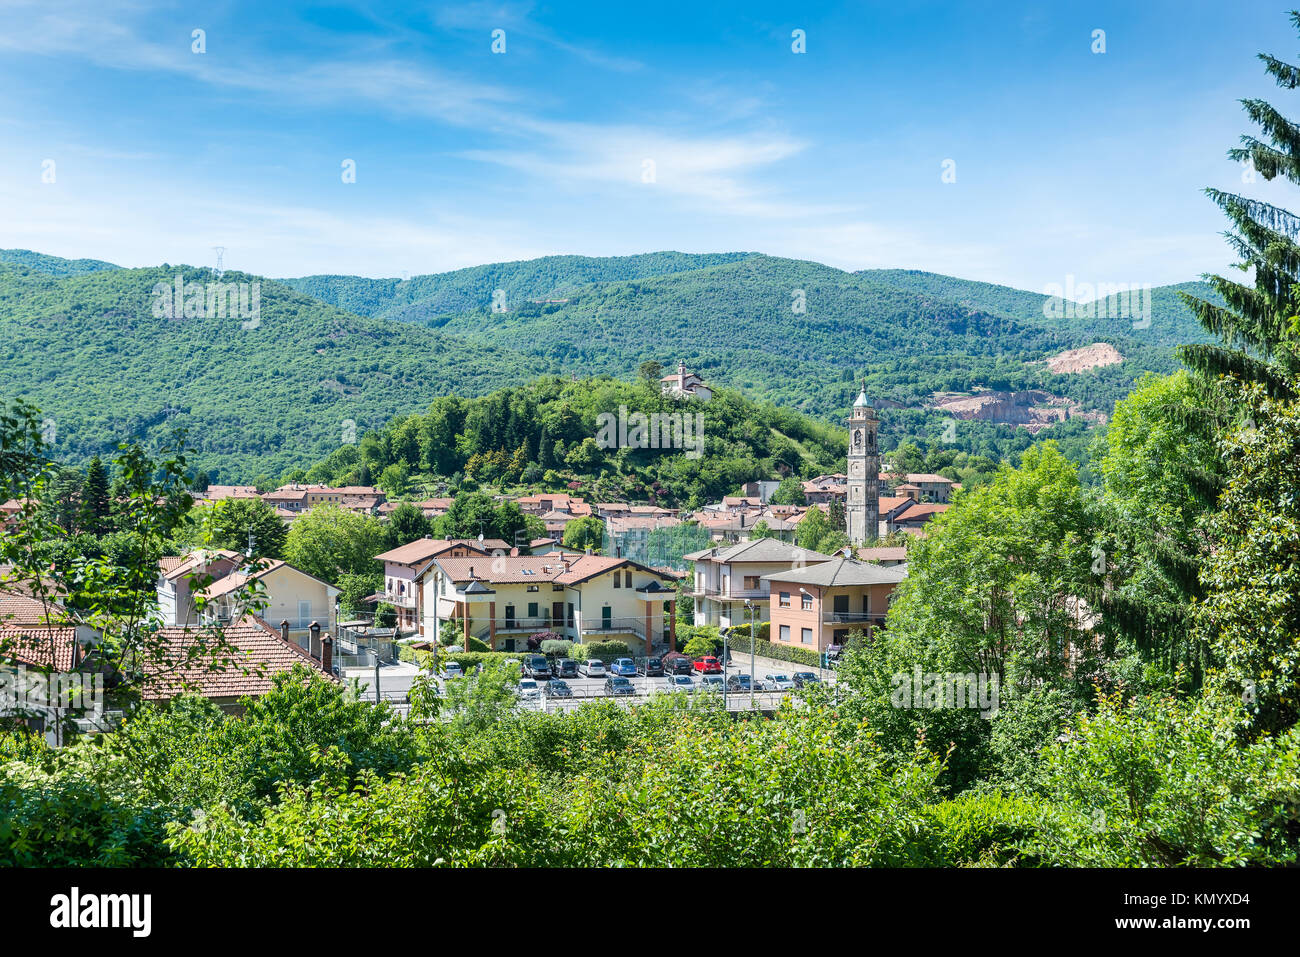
{"x":579,"y":533}
{"x":236,"y":521}
{"x":328,"y":542}
{"x":789,"y":492}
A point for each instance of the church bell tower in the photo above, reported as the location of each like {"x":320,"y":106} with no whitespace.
{"x":862,"y":508}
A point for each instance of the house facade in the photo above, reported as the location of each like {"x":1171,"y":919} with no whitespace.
{"x":504,"y":600}
{"x":818,"y":606}
{"x":727,"y":578}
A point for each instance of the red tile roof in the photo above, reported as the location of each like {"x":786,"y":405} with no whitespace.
{"x":257,"y":654}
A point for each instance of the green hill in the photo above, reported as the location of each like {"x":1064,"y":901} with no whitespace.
{"x":27,"y":261}
{"x":80,"y":339}
{"x":89,"y":351}
{"x":735,"y":322}
{"x":464,"y":290}
{"x":547,"y":433}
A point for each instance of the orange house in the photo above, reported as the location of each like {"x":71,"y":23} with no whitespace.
{"x":818,"y":606}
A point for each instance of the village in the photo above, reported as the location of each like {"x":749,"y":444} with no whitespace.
{"x":614,"y":605}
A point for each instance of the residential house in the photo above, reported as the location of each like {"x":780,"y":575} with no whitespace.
{"x":889,"y":556}
{"x":728,"y":578}
{"x":258,"y":654}
{"x":817,"y":606}
{"x":928,"y":487}
{"x":504,"y":600}
{"x":178,"y":575}
{"x":915,"y":516}
{"x":825,"y":489}
{"x":403,"y":564}
{"x":294,"y":600}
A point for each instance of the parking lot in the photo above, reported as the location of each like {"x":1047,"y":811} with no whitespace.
{"x":585,"y":688}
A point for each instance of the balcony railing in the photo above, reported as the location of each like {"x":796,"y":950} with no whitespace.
{"x":853,"y":618}
{"x":399,"y":601}
{"x":612,"y":626}
{"x":734,"y":594}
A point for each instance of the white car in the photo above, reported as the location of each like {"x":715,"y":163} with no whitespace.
{"x":528,"y":688}
{"x":452,"y":670}
{"x":593,"y":668}
{"x":681,"y":683}
{"x":778,"y":682}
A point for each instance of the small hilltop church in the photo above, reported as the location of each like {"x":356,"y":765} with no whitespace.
{"x":862,"y":499}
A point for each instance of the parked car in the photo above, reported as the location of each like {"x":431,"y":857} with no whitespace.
{"x":712,"y":683}
{"x":536,"y":666}
{"x":741,"y":682}
{"x":681,"y":683}
{"x":623,"y":666}
{"x":802,"y":678}
{"x":653,"y":668}
{"x":618,"y":685}
{"x":678,"y":666}
{"x":529,"y":688}
{"x":558,"y":688}
{"x":593,"y":668}
{"x":452,"y":669}
{"x":708,"y":665}
{"x":779,"y":682}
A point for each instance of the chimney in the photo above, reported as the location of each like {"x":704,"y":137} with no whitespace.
{"x":313,"y":647}
{"x":566,"y":564}
{"x":327,"y":654}
{"x":284,"y":629}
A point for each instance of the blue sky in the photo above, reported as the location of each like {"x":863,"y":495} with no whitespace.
{"x":1067,"y":162}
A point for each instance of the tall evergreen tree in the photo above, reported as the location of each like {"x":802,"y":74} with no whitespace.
{"x":95,"y":501}
{"x":1257,"y":322}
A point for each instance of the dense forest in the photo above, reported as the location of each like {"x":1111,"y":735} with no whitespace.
{"x":546,"y":434}
{"x":82,"y":341}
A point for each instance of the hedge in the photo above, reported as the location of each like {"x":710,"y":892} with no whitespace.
{"x":467,"y":659}
{"x":739,"y":644}
{"x":606,"y":651}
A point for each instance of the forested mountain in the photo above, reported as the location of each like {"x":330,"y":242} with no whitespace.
{"x":256,"y":400}
{"x":80,"y":339}
{"x":464,"y":290}
{"x":785,"y":329}
{"x":25,"y":259}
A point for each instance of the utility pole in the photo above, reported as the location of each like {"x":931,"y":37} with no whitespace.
{"x":221,"y":251}
{"x":725,"y":635}
{"x":749,"y":606}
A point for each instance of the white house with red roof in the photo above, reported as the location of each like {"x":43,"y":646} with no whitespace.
{"x":503,"y":600}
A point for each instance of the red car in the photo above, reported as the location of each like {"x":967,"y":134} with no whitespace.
{"x":708,"y":665}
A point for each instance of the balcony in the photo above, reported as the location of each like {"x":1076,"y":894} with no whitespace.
{"x":734,"y":594}
{"x":399,"y":601}
{"x":875,"y":619}
{"x":614,"y":626}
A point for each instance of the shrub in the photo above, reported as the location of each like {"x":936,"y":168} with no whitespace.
{"x":606,"y":651}
{"x":982,"y":829}
{"x":559,"y":648}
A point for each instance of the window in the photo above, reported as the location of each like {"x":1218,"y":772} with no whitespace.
{"x":751,"y":583}
{"x":532,"y":588}
{"x":557,"y":588}
{"x":785,"y":632}
{"x":807,"y":602}
{"x":532,"y":609}
{"x":805,"y":635}
{"x":785,"y":600}
{"x":627,"y":578}
{"x":618,"y":581}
